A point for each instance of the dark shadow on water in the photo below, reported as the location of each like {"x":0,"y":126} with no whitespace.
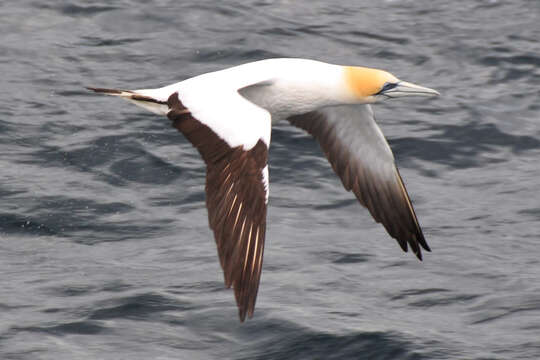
{"x":19,"y":224}
{"x":71,"y":290}
{"x":430,"y":297}
{"x":190,"y":288}
{"x":534,"y":212}
{"x":84,"y":220}
{"x":285,"y":340}
{"x":146,"y":306}
{"x":336,"y":204}
{"x":93,"y":41}
{"x":491,"y":311}
{"x":70,"y":328}
{"x":128,"y":160}
{"x":462,"y":146}
{"x":378,"y":36}
{"x":375,"y":345}
{"x":417,"y":292}
{"x":74,"y":10}
{"x":445,"y":301}
{"x":141,"y":306}
{"x":522,"y":59}
{"x":341,"y":258}
{"x":231,"y":55}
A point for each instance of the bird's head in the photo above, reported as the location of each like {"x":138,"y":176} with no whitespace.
{"x":373,"y":85}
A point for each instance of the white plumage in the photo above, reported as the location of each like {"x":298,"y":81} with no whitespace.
{"x":227,"y":115}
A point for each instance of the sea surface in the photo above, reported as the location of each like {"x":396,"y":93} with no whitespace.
{"x":105,"y":251}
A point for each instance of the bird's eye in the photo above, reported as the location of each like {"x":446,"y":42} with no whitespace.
{"x":388,"y":86}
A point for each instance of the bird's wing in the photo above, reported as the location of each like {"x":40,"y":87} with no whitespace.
{"x":235,"y":152}
{"x":360,"y":155}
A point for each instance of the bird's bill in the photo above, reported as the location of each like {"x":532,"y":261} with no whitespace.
{"x":404,"y":88}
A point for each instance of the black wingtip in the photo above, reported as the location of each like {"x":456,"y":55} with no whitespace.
{"x":403,"y":245}
{"x":422,"y":240}
{"x":419,"y":239}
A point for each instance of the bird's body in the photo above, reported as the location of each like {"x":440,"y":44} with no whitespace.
{"x":296,"y":86}
{"x":227,"y":115}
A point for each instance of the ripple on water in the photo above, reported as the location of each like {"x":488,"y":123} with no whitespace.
{"x":81,"y":169}
{"x":289,"y":341}
{"x":141,"y":307}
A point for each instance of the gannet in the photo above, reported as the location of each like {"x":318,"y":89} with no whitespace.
{"x":227,"y":115}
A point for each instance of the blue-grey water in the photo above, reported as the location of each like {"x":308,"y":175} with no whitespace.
{"x":105,"y":251}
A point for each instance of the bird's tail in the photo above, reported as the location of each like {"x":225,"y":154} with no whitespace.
{"x":150,"y":103}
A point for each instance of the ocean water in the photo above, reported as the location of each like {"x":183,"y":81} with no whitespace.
{"x":105,"y":251}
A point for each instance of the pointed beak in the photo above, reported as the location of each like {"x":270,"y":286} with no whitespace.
{"x":404,"y":88}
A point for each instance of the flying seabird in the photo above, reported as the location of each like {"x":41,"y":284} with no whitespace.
{"x":227,"y":115}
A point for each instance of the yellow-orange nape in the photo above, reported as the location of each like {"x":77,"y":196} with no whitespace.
{"x":366,"y":82}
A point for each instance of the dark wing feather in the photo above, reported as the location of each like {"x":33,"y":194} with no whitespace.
{"x":236,"y":202}
{"x":361,"y":157}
